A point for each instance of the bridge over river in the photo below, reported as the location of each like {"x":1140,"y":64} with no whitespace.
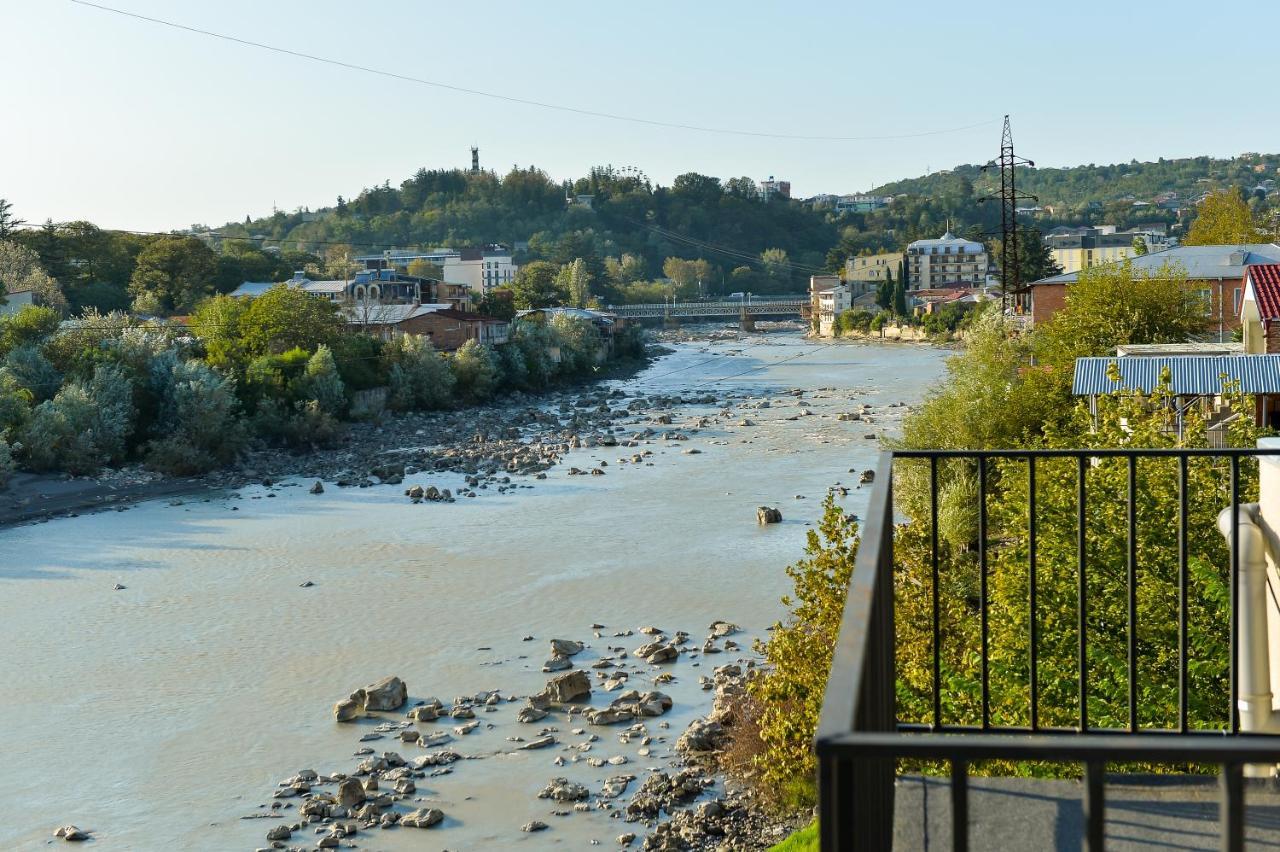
{"x":747,"y":311}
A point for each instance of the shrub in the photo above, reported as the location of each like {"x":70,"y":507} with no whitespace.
{"x":854,"y":319}
{"x":535,"y":341}
{"x":6,"y":463}
{"x":15,"y":406}
{"x":579,"y":343}
{"x":418,"y":376}
{"x":513,"y":367}
{"x":32,"y":324}
{"x":199,"y":425}
{"x":788,"y":694}
{"x":475,"y":368}
{"x":26,"y":368}
{"x":321,"y":383}
{"x":85,"y":426}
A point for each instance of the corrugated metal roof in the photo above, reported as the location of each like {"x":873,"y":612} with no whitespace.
{"x":1188,"y":374}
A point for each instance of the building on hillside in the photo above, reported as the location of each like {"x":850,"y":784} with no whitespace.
{"x":447,"y":329}
{"x":861,"y":202}
{"x":12,"y":301}
{"x":1215,"y":272}
{"x":775,"y":188}
{"x":481,"y":269}
{"x":1074,"y":249}
{"x":867,"y":272}
{"x":948,"y":261}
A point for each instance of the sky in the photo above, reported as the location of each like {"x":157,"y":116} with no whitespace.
{"x":130,"y":124}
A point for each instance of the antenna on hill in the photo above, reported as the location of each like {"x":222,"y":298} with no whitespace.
{"x":1010,"y":276}
{"x":475,"y":160}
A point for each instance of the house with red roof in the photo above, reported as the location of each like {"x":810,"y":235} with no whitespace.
{"x":1260,"y":309}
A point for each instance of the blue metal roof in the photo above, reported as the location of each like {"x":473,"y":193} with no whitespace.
{"x":1188,"y":374}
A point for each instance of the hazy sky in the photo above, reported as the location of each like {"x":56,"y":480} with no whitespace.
{"x":134,"y":125}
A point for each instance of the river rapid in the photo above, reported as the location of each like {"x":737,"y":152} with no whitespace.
{"x":158,"y":715}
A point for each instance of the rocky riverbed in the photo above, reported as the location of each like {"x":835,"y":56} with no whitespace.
{"x":599,"y":725}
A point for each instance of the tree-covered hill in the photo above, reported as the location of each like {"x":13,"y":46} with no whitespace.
{"x":1076,"y":186}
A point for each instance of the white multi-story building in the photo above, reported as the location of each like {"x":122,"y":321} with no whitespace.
{"x":948,"y":261}
{"x":479,"y":269}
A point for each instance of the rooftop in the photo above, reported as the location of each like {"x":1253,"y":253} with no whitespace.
{"x":1264,"y":284}
{"x":1188,"y":375}
{"x":1200,"y":262}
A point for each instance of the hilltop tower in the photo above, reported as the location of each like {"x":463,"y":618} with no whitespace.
{"x":475,"y":160}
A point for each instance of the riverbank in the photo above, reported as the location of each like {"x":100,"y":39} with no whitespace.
{"x":209,"y":677}
{"x":364,"y":450}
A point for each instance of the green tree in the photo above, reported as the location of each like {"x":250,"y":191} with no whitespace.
{"x":884,"y":294}
{"x":687,"y":274}
{"x":535,"y":286}
{"x":320,"y":383}
{"x":9,"y":223}
{"x":776,"y":264}
{"x":1139,"y":246}
{"x":1224,"y":219}
{"x":20,"y":272}
{"x":573,"y":279}
{"x":1115,"y":304}
{"x":899,"y":298}
{"x":172,"y":275}
{"x":787,"y":695}
{"x":1035,"y":260}
{"x":285,"y":318}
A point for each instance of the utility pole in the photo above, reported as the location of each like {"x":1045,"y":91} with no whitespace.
{"x":1010,"y":275}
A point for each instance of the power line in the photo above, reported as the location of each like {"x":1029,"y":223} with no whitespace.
{"x":405,"y":78}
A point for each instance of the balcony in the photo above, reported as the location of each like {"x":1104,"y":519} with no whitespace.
{"x":1056,"y":680}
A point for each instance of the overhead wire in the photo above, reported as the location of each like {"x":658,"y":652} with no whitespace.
{"x":407,"y":78}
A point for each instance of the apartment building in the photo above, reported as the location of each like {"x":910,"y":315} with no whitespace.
{"x":948,"y":261}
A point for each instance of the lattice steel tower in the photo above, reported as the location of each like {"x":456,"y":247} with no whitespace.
{"x":1010,"y":275}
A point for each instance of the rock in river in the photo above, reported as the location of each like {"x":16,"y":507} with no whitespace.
{"x":568,"y":687}
{"x":565,"y":647}
{"x":422,"y":818}
{"x":351,"y":707}
{"x":768,"y":515}
{"x":389,"y":693}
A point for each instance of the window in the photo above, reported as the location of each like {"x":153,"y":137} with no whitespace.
{"x":1206,"y":300}
{"x":1237,"y":294}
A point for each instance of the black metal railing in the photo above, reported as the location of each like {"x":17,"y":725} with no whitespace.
{"x":862,"y":735}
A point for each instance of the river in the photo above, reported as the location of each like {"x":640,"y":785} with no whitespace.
{"x":158,"y":715}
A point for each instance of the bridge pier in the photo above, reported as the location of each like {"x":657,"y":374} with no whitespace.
{"x":670,"y":322}
{"x":747,"y":322}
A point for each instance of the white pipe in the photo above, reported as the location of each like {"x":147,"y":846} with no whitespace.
{"x":1254,"y":664}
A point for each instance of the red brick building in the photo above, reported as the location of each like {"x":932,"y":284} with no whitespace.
{"x":1216,"y":272}
{"x":447,"y":329}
